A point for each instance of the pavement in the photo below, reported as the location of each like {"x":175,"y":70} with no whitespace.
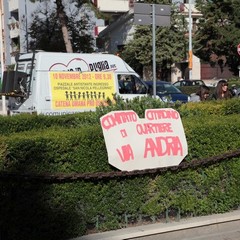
{"x":218,"y":226}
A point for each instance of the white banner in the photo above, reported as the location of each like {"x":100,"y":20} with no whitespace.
{"x":135,"y":144}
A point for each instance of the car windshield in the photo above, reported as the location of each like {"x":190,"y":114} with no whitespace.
{"x":189,"y":83}
{"x":167,"y":88}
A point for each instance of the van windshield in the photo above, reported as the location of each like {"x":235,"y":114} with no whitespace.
{"x":130,"y":84}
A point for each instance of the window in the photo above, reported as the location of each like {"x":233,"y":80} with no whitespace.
{"x":130,"y":84}
{"x":187,"y":1}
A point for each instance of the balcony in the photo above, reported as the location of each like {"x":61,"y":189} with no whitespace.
{"x":113,"y":5}
{"x":14,"y":28}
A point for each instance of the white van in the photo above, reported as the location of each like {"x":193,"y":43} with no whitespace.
{"x":52,"y":83}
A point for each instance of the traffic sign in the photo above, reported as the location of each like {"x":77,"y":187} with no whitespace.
{"x":146,"y":9}
{"x":238,"y":48}
{"x":143,"y":14}
{"x":141,"y":19}
{"x":155,"y":15}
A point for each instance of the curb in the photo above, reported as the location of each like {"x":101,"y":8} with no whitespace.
{"x":160,"y":228}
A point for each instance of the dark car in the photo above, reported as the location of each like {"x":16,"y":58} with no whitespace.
{"x":167,"y":92}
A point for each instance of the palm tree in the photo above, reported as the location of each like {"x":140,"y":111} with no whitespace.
{"x":62,"y":18}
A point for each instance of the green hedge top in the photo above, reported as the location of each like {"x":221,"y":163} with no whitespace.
{"x":81,"y":148}
{"x":26,"y":122}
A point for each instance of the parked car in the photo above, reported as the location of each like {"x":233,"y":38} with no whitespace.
{"x":167,"y":92}
{"x":190,"y":86}
{"x":214,"y":82}
{"x":235,"y":90}
{"x":184,"y":83}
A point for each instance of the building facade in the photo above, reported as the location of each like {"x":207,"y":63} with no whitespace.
{"x":117,"y":34}
{"x":111,"y":32}
{"x":15,"y":15}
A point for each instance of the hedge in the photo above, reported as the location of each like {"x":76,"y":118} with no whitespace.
{"x":36,"y":210}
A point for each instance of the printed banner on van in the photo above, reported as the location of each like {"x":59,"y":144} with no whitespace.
{"x":74,"y":90}
{"x":135,"y":144}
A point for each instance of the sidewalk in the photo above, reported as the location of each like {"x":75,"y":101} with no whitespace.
{"x":213,"y":224}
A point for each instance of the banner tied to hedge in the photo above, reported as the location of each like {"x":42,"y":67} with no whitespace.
{"x":134,"y":143}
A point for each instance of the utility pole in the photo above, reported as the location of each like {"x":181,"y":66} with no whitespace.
{"x":26,"y":22}
{"x":1,"y":37}
{"x":154,"y":49}
{"x":190,"y":54}
{"x":2,"y":54}
{"x":5,"y":43}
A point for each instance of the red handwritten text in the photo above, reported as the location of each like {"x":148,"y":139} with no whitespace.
{"x":155,"y":114}
{"x":162,"y":146}
{"x":118,"y":118}
{"x":126,"y":154}
{"x":148,"y":128}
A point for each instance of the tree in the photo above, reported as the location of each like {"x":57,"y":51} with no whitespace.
{"x":218,"y":32}
{"x":46,"y":34}
{"x":63,"y":19}
{"x":170,"y":45}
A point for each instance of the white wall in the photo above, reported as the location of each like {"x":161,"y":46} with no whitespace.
{"x":176,"y":73}
{"x":113,"y":5}
{"x":13,"y":5}
{"x":118,"y":33}
{"x":196,"y":70}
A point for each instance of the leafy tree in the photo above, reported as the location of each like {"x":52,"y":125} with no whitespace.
{"x":46,"y":33}
{"x":218,"y":32}
{"x":170,"y":44}
{"x":63,"y":19}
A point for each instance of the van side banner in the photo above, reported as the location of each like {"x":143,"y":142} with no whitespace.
{"x":135,"y":144}
{"x":75,"y":90}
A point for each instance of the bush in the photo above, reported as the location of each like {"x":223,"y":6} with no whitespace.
{"x":31,"y":209}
